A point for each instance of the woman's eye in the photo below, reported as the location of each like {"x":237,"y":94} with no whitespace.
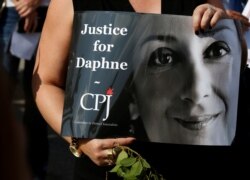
{"x":161,"y":57}
{"x":216,"y":50}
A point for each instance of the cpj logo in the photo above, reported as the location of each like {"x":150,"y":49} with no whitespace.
{"x":97,"y":100}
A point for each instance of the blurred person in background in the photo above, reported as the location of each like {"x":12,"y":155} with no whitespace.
{"x":10,"y":16}
{"x":26,"y":18}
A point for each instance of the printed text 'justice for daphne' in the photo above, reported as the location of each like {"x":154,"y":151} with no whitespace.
{"x":98,"y":46}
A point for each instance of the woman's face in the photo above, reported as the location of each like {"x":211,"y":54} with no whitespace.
{"x":187,"y":85}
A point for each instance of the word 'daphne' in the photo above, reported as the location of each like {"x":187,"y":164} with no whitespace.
{"x":100,"y":64}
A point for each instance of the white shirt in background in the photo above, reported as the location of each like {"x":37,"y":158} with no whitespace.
{"x":9,"y":3}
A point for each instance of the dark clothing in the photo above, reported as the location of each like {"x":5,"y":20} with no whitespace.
{"x":243,"y":121}
{"x":176,"y":161}
{"x":180,"y":7}
{"x":35,"y":128}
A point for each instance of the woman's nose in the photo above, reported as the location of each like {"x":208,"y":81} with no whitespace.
{"x":198,"y":85}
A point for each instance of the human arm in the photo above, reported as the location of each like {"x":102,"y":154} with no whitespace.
{"x":50,"y":76}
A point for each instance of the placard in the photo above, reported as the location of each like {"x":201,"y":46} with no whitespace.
{"x":152,"y":77}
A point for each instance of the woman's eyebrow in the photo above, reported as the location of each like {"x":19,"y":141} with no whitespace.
{"x":211,"y":32}
{"x":163,"y":38}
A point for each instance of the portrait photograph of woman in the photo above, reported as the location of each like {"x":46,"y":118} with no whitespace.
{"x":186,"y":84}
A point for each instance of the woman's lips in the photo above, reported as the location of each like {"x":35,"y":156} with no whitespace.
{"x":197,"y":122}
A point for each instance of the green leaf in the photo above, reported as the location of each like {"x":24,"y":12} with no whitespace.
{"x":126,"y":170}
{"x":115,"y":169}
{"x":136,"y":169}
{"x":120,"y":172}
{"x":131,"y":166}
{"x":122,"y":155}
{"x":128,"y":161}
{"x":145,"y":164}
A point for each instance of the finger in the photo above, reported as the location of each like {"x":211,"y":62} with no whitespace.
{"x":24,"y":9}
{"x":109,"y":154}
{"x":220,"y":14}
{"x":113,"y":153}
{"x":30,"y":23}
{"x":26,"y":25}
{"x":103,"y":158}
{"x":20,"y":6}
{"x":206,"y":18}
{"x":21,"y":10}
{"x":197,"y":16}
{"x":104,"y":162}
{"x":125,"y":141}
{"x":110,"y":157}
{"x":108,"y":162}
{"x":110,"y":143}
{"x":25,"y":12}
